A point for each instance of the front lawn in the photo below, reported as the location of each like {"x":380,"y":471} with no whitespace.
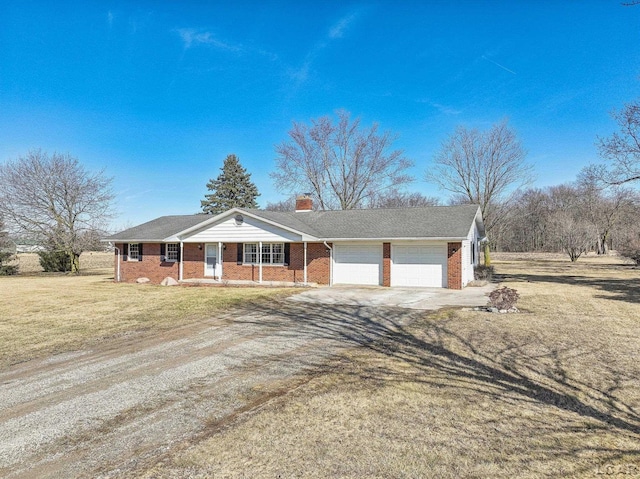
{"x":551,"y":392}
{"x":42,"y":314}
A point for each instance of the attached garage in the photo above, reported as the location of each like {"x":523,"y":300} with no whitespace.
{"x":419,"y":265}
{"x":357,"y":264}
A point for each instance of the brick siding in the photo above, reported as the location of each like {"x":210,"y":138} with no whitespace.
{"x":151,"y":267}
{"x":454,"y":265}
{"x":317,"y":265}
{"x":386,"y":264}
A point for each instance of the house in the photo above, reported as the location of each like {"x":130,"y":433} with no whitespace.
{"x":434,"y":246}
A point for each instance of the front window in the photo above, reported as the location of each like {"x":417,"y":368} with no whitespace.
{"x":134,"y":252}
{"x":250,"y":253}
{"x":172,"y":252}
{"x":271,"y":253}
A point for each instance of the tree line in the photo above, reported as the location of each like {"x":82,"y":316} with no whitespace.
{"x":342,"y":164}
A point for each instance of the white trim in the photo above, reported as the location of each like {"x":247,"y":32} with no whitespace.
{"x":390,"y":240}
{"x":246,"y":213}
{"x":181,"y":268}
{"x":259,"y":261}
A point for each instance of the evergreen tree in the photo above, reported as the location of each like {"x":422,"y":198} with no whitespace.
{"x":232,"y":188}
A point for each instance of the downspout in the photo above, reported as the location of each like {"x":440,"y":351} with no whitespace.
{"x":330,"y":263}
{"x":118,"y":262}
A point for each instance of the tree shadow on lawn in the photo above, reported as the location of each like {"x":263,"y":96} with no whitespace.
{"x":620,"y":289}
{"x":502,"y":368}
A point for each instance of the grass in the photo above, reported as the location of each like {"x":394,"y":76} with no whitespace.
{"x":550,"y":392}
{"x":41,"y":314}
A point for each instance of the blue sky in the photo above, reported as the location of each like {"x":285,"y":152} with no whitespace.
{"x":158,"y":93}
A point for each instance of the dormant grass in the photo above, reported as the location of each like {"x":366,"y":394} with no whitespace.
{"x":550,"y":392}
{"x":42,"y":314}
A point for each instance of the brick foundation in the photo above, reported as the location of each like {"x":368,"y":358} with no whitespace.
{"x":454,"y":265}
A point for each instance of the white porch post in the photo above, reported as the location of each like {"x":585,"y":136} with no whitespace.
{"x":181,"y":261}
{"x":260,"y":261}
{"x":305,"y":262}
{"x":220,"y":259}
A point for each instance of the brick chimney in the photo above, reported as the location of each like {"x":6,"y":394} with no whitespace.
{"x":304,"y":203}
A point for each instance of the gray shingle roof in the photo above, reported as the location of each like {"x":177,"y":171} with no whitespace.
{"x":426,"y":222}
{"x":158,"y":229}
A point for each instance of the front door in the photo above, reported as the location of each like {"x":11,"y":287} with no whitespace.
{"x":211,"y":254}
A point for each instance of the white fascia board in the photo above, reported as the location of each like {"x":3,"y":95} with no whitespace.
{"x":391,"y":240}
{"x":183,"y":235}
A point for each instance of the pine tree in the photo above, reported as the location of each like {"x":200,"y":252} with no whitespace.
{"x":232,"y":188}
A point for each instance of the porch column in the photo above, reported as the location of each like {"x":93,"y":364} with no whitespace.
{"x":305,"y":262}
{"x":260,"y":262}
{"x":219,"y":259}
{"x":181,"y":269}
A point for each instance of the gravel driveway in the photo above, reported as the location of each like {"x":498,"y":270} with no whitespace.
{"x":102,"y":412}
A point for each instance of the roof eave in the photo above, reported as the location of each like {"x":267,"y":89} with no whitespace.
{"x":181,"y":235}
{"x":404,"y":238}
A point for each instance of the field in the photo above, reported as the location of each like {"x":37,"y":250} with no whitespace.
{"x":550,"y":392}
{"x":42,"y":313}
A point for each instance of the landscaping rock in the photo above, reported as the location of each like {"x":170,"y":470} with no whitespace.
{"x":143,"y":280}
{"x":169,"y":281}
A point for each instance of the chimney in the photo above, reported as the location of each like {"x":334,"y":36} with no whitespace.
{"x":304,"y":202}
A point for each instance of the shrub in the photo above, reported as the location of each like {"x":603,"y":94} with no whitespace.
{"x":5,"y":269}
{"x":504,"y":298}
{"x":631,"y":250}
{"x":55,"y":261}
{"x":483,"y":272}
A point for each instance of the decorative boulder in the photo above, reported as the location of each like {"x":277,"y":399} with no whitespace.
{"x":169,"y":281}
{"x":143,"y":280}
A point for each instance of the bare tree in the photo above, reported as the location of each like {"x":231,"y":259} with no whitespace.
{"x":603,"y":207}
{"x":284,"y":205}
{"x":482,"y":168}
{"x":55,"y":200}
{"x":623,"y":147}
{"x":401,"y":199}
{"x":339,"y":163}
{"x":569,"y":225}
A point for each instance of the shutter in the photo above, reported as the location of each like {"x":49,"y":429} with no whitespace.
{"x":287,"y":251}
{"x":125,"y":251}
{"x":163,"y":250}
{"x":139,"y":251}
{"x":240,"y":247}
{"x":179,"y":253}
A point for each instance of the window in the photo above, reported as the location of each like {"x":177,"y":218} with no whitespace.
{"x":272,"y":253}
{"x":134,"y":252}
{"x":250,"y":253}
{"x":473,"y":252}
{"x":172,"y":252}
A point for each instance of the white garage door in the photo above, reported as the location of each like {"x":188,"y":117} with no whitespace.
{"x":357,"y":264}
{"x":419,"y":265}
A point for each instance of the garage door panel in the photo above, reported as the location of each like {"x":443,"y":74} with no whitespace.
{"x":419,"y":265}
{"x":357,"y":264}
